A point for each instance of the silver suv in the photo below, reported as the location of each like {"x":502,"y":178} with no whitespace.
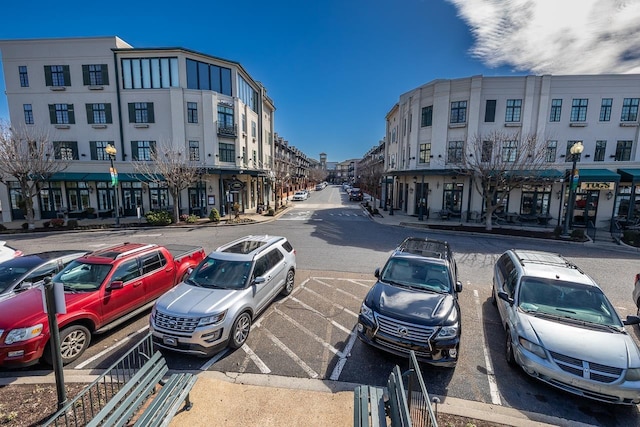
{"x":562,"y":329}
{"x":215,"y":306}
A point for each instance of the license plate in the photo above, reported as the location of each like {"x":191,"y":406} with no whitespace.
{"x":170,"y":341}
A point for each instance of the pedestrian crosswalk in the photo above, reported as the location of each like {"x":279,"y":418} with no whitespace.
{"x":297,"y":215}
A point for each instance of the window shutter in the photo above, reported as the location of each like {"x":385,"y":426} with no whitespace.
{"x":85,"y":76}
{"x":150,"y":112}
{"x":72,"y":115}
{"x":105,"y":74}
{"x":89,"y":113}
{"x":93,"y":150}
{"x":134,"y":147}
{"x":67,"y":75}
{"x":47,"y":76}
{"x":132,"y":112}
{"x":107,"y":113}
{"x":52,"y":114}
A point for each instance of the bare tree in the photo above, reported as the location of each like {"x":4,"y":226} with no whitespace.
{"x":27,"y":156}
{"x":169,"y":166}
{"x":499,"y":162}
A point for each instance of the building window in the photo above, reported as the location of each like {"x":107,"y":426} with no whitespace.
{"x":535,"y":200}
{"x":65,"y":150}
{"x":95,"y":75}
{"x":143,"y":150}
{"x":150,"y":73}
{"x":623,"y":151}
{"x":192,"y":112}
{"x":552,"y":148}
{"x":454,"y":152}
{"x":556,"y":110}
{"x":61,"y":114}
{"x":98,"y":113}
{"x":427,"y":116}
{"x":425,"y":153}
{"x":579,"y":110}
{"x":247,"y":94}
{"x":568,"y":157}
{"x":227,"y":152}
{"x":487,"y":151}
{"x":205,"y":76}
{"x":605,"y":109}
{"x":225,"y":120}
{"x":254,"y":131}
{"x":194,"y":151}
{"x":514,"y":110}
{"x":28,"y":114}
{"x":601,"y":148}
{"x":490,"y":111}
{"x":141,"y":112}
{"x":57,"y":75}
{"x":458,"y":112}
{"x":24,"y":76}
{"x":509,"y":151}
{"x":629,"y":110}
{"x":98,"y":149}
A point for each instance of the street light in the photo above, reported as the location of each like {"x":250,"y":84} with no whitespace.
{"x":111,"y":151}
{"x":575,"y":151}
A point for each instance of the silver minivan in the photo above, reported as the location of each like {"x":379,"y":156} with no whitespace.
{"x":216,"y":305}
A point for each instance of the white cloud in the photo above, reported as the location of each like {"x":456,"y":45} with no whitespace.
{"x":555,"y":36}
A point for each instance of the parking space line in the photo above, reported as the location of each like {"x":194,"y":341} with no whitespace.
{"x":254,"y":357}
{"x":368,"y":286}
{"x":214,"y":359}
{"x":291,"y":354}
{"x":344,"y":309}
{"x":311,"y":334}
{"x":337,"y":370}
{"x":110,"y":348}
{"x":491,"y":376}
{"x":339,"y":290}
{"x":313,"y":310}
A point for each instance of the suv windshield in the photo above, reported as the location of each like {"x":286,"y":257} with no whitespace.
{"x":80,"y":277}
{"x":217,"y":273}
{"x":416,"y":273}
{"x":567,"y":300}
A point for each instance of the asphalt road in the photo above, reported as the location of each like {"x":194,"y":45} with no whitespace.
{"x":310,"y":334}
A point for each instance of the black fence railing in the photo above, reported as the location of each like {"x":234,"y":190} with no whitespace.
{"x":420,"y":409}
{"x":80,"y":410}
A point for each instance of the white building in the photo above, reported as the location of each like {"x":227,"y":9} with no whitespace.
{"x":432,"y":124}
{"x":91,"y":92}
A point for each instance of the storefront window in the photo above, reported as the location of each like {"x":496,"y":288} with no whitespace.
{"x":535,"y":200}
{"x":453,"y":196}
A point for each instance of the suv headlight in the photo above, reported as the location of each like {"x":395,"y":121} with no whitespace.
{"x":633,"y":374}
{"x":23,"y":334}
{"x":212,"y":320}
{"x":533,"y":348}
{"x":366,"y":312}
{"x":448,"y":332}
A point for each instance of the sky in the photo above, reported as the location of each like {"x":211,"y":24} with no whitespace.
{"x":335,"y":68}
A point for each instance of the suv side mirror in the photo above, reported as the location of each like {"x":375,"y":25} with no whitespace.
{"x":259,"y":280}
{"x":631,"y":320}
{"x":505,"y":296}
{"x":458,"y":286}
{"x":377,"y":273}
{"x":116,"y":284}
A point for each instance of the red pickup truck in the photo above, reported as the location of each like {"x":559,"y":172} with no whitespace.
{"x":102,"y":290}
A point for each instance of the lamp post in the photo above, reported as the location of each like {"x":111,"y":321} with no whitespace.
{"x":422,"y":201}
{"x":111,"y":151}
{"x":575,"y":151}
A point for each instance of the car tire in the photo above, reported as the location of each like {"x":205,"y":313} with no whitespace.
{"x":511,"y":360}
{"x":289,"y":283}
{"x":240,"y":330}
{"x":74,"y":340}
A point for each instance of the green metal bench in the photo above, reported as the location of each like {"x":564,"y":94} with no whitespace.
{"x":140,"y":389}
{"x":372,"y":405}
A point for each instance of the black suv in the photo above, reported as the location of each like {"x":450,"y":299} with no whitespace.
{"x":414,"y":304}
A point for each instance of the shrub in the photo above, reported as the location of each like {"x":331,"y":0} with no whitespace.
{"x":191,"y":219}
{"x":72,"y":223}
{"x":25,"y":226}
{"x":214,"y":215}
{"x":557,"y":231}
{"x":2,"y":227}
{"x":271,"y":212}
{"x":57,"y":222}
{"x":46,"y":224}
{"x":158,"y":217}
{"x":631,"y":237}
{"x":577,"y":234}
{"x":184,"y":217}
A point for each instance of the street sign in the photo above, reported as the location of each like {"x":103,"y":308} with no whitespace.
{"x":114,"y":176}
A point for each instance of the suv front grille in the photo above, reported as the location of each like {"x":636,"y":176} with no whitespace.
{"x":404,"y":330}
{"x":595,"y":371}
{"x":175,"y":323}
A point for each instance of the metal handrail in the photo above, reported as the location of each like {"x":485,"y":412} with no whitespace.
{"x":420,"y":409}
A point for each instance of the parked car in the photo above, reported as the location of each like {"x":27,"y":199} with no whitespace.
{"x":561,"y":328}
{"x":300,"y":195}
{"x":421,"y":274}
{"x":636,"y":293}
{"x":215,"y":306}
{"x":356,"y":195}
{"x":102,"y":290}
{"x":28,"y":271}
{"x":8,"y":252}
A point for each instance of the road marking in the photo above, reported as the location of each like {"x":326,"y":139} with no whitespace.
{"x":111,"y":348}
{"x":335,"y":375}
{"x":214,"y":359}
{"x":364,"y":285}
{"x":338,"y":290}
{"x":344,"y":309}
{"x":313,"y":310}
{"x":311,"y":334}
{"x":491,"y":376}
{"x":259,"y":363}
{"x":291,"y":354}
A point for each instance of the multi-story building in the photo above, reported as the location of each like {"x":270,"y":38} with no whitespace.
{"x":91,"y":93}
{"x":431,"y":127}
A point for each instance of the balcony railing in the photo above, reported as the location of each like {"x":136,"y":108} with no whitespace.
{"x":227,"y":130}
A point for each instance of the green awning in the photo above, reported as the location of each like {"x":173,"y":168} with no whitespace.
{"x":630,"y":175}
{"x":546,"y":174}
{"x":592,"y":175}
